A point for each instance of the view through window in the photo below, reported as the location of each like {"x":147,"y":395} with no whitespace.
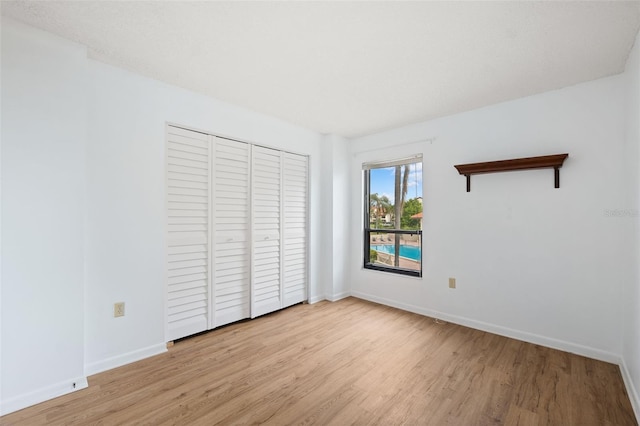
{"x":393,"y":216}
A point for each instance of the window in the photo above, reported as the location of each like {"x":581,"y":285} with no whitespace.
{"x":393,"y":216}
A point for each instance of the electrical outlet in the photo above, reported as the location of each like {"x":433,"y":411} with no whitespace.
{"x":452,"y":283}
{"x":118,"y":309}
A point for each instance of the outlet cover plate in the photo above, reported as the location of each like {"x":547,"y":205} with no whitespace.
{"x":118,"y":309}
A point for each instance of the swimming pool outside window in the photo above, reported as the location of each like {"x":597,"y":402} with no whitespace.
{"x":393,"y":216}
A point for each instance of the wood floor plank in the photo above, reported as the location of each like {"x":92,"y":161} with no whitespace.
{"x":342,"y":363}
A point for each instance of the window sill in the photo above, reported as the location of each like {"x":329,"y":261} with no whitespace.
{"x":396,"y":271}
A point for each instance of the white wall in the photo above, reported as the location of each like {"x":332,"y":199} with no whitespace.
{"x":341,"y":197}
{"x":85,"y":142}
{"x":43,"y":134}
{"x":335,"y":204}
{"x":125,"y":201}
{"x":533,"y":262}
{"x":126,"y":214}
{"x":631,"y":320}
{"x":325,"y":246}
{"x":83,"y":215}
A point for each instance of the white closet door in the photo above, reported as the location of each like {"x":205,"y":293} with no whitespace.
{"x":295,"y":172}
{"x":232,"y":246}
{"x":188,"y":232}
{"x":266,"y":292}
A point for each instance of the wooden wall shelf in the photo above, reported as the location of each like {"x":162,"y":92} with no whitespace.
{"x":529,"y":163}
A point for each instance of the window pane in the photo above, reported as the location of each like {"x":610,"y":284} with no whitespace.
{"x":382,"y":198}
{"x":406,"y":180}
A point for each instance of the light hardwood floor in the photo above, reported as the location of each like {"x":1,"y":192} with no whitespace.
{"x":348,"y":362}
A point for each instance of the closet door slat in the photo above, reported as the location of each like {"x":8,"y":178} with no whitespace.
{"x":187,"y":232}
{"x":232,"y":254}
{"x":266,"y":280}
{"x":295,"y":193}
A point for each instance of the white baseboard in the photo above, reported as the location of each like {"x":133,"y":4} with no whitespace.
{"x":500,"y":330}
{"x":631,"y":389}
{"x":316,"y":299}
{"x":338,"y":296}
{"x":40,"y":395}
{"x":127,"y":358}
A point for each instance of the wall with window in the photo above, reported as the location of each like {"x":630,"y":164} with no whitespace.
{"x":533,"y":262}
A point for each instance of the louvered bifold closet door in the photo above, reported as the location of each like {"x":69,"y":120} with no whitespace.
{"x":232,"y":251}
{"x":188,"y":207}
{"x":266,"y":292}
{"x":295,"y":190}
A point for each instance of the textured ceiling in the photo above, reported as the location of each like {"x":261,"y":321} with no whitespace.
{"x":351,"y":68}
